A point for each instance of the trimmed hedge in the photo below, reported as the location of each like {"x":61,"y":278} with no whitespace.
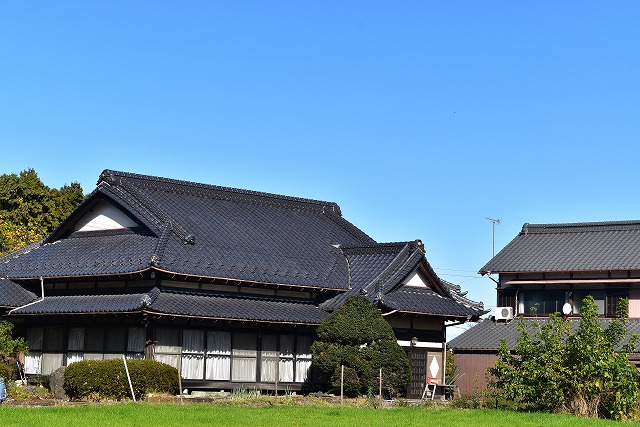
{"x":108,"y":379}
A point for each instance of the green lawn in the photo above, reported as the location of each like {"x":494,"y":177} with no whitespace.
{"x":193,"y":415}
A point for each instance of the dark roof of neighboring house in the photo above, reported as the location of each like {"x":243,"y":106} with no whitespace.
{"x":208,"y":232}
{"x":594,"y":246}
{"x":486,"y":335}
{"x":177,"y":302}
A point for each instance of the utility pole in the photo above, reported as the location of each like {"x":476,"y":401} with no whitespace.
{"x":493,"y":240}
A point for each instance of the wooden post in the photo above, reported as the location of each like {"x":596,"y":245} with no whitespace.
{"x":380,"y":387}
{"x":277,"y":374}
{"x":180,"y":375}
{"x":342,"y":384}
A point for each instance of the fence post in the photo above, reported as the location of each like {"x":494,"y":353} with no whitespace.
{"x":342,"y":384}
{"x":126,"y":368}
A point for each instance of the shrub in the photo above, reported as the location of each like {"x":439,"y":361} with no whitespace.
{"x":357,"y":336}
{"x":584,"y":373}
{"x":108,"y":379}
{"x":6,"y":371}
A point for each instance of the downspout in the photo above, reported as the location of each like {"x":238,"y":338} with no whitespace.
{"x":32,"y":302}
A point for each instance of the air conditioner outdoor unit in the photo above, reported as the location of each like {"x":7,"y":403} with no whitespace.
{"x":504,"y":313}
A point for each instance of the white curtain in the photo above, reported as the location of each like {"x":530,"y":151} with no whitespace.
{"x":244,"y":369}
{"x":74,"y":356}
{"x":167,"y":341}
{"x":286,"y":358}
{"x":286,"y":370}
{"x":51,"y":362}
{"x":269,"y":358}
{"x":75,"y":345}
{"x":192,"y":354}
{"x":33,"y":360}
{"x":192,"y":366}
{"x":169,"y":359}
{"x":245,"y":357}
{"x":218,"y":355}
{"x":303,"y":358}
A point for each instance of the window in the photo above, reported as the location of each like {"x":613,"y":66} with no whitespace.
{"x":613,"y":299}
{"x":167,"y":346}
{"x":76,"y":345}
{"x":218,"y":355}
{"x":303,"y":358}
{"x":245,"y":357}
{"x":192,"y":354}
{"x":33,"y":360}
{"x":542,"y":302}
{"x":136,"y":340}
{"x":507,"y":300}
{"x":52,"y":350}
{"x":287,"y":358}
{"x":269,"y":359}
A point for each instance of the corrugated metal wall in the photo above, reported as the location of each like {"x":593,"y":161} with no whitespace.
{"x":474,"y":367}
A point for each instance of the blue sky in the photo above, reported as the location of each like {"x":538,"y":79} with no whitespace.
{"x":419,"y":118}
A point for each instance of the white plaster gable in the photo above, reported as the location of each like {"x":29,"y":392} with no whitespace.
{"x":415,"y":280}
{"x":104,"y":216}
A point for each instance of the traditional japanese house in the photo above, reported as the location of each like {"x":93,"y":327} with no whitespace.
{"x":227,"y":285}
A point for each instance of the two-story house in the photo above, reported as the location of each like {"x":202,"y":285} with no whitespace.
{"x":550,"y":268}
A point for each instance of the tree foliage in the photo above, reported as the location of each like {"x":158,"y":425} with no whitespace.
{"x":8,"y":345}
{"x":29,"y":210}
{"x":357,"y":336}
{"x":584,"y":373}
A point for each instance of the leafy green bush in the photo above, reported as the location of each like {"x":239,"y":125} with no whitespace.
{"x":584,"y":373}
{"x":6,"y":371}
{"x":357,"y":336}
{"x":108,"y":379}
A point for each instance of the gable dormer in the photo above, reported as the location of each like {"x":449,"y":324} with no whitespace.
{"x":415,"y":280}
{"x":104,"y":216}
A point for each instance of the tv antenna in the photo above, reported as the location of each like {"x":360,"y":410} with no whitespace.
{"x":493,"y":239}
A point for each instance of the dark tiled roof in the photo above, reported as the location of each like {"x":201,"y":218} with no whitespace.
{"x":14,"y":295}
{"x":206,"y":231}
{"x":239,"y":307}
{"x":461,"y":296}
{"x":179,"y":302}
{"x":486,"y":335}
{"x":203,"y":230}
{"x":424,"y":300}
{"x":88,"y":302}
{"x":83,"y":254}
{"x":596,"y":246}
{"x":378,"y":270}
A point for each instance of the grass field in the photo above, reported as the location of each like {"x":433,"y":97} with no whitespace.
{"x":193,"y":415}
